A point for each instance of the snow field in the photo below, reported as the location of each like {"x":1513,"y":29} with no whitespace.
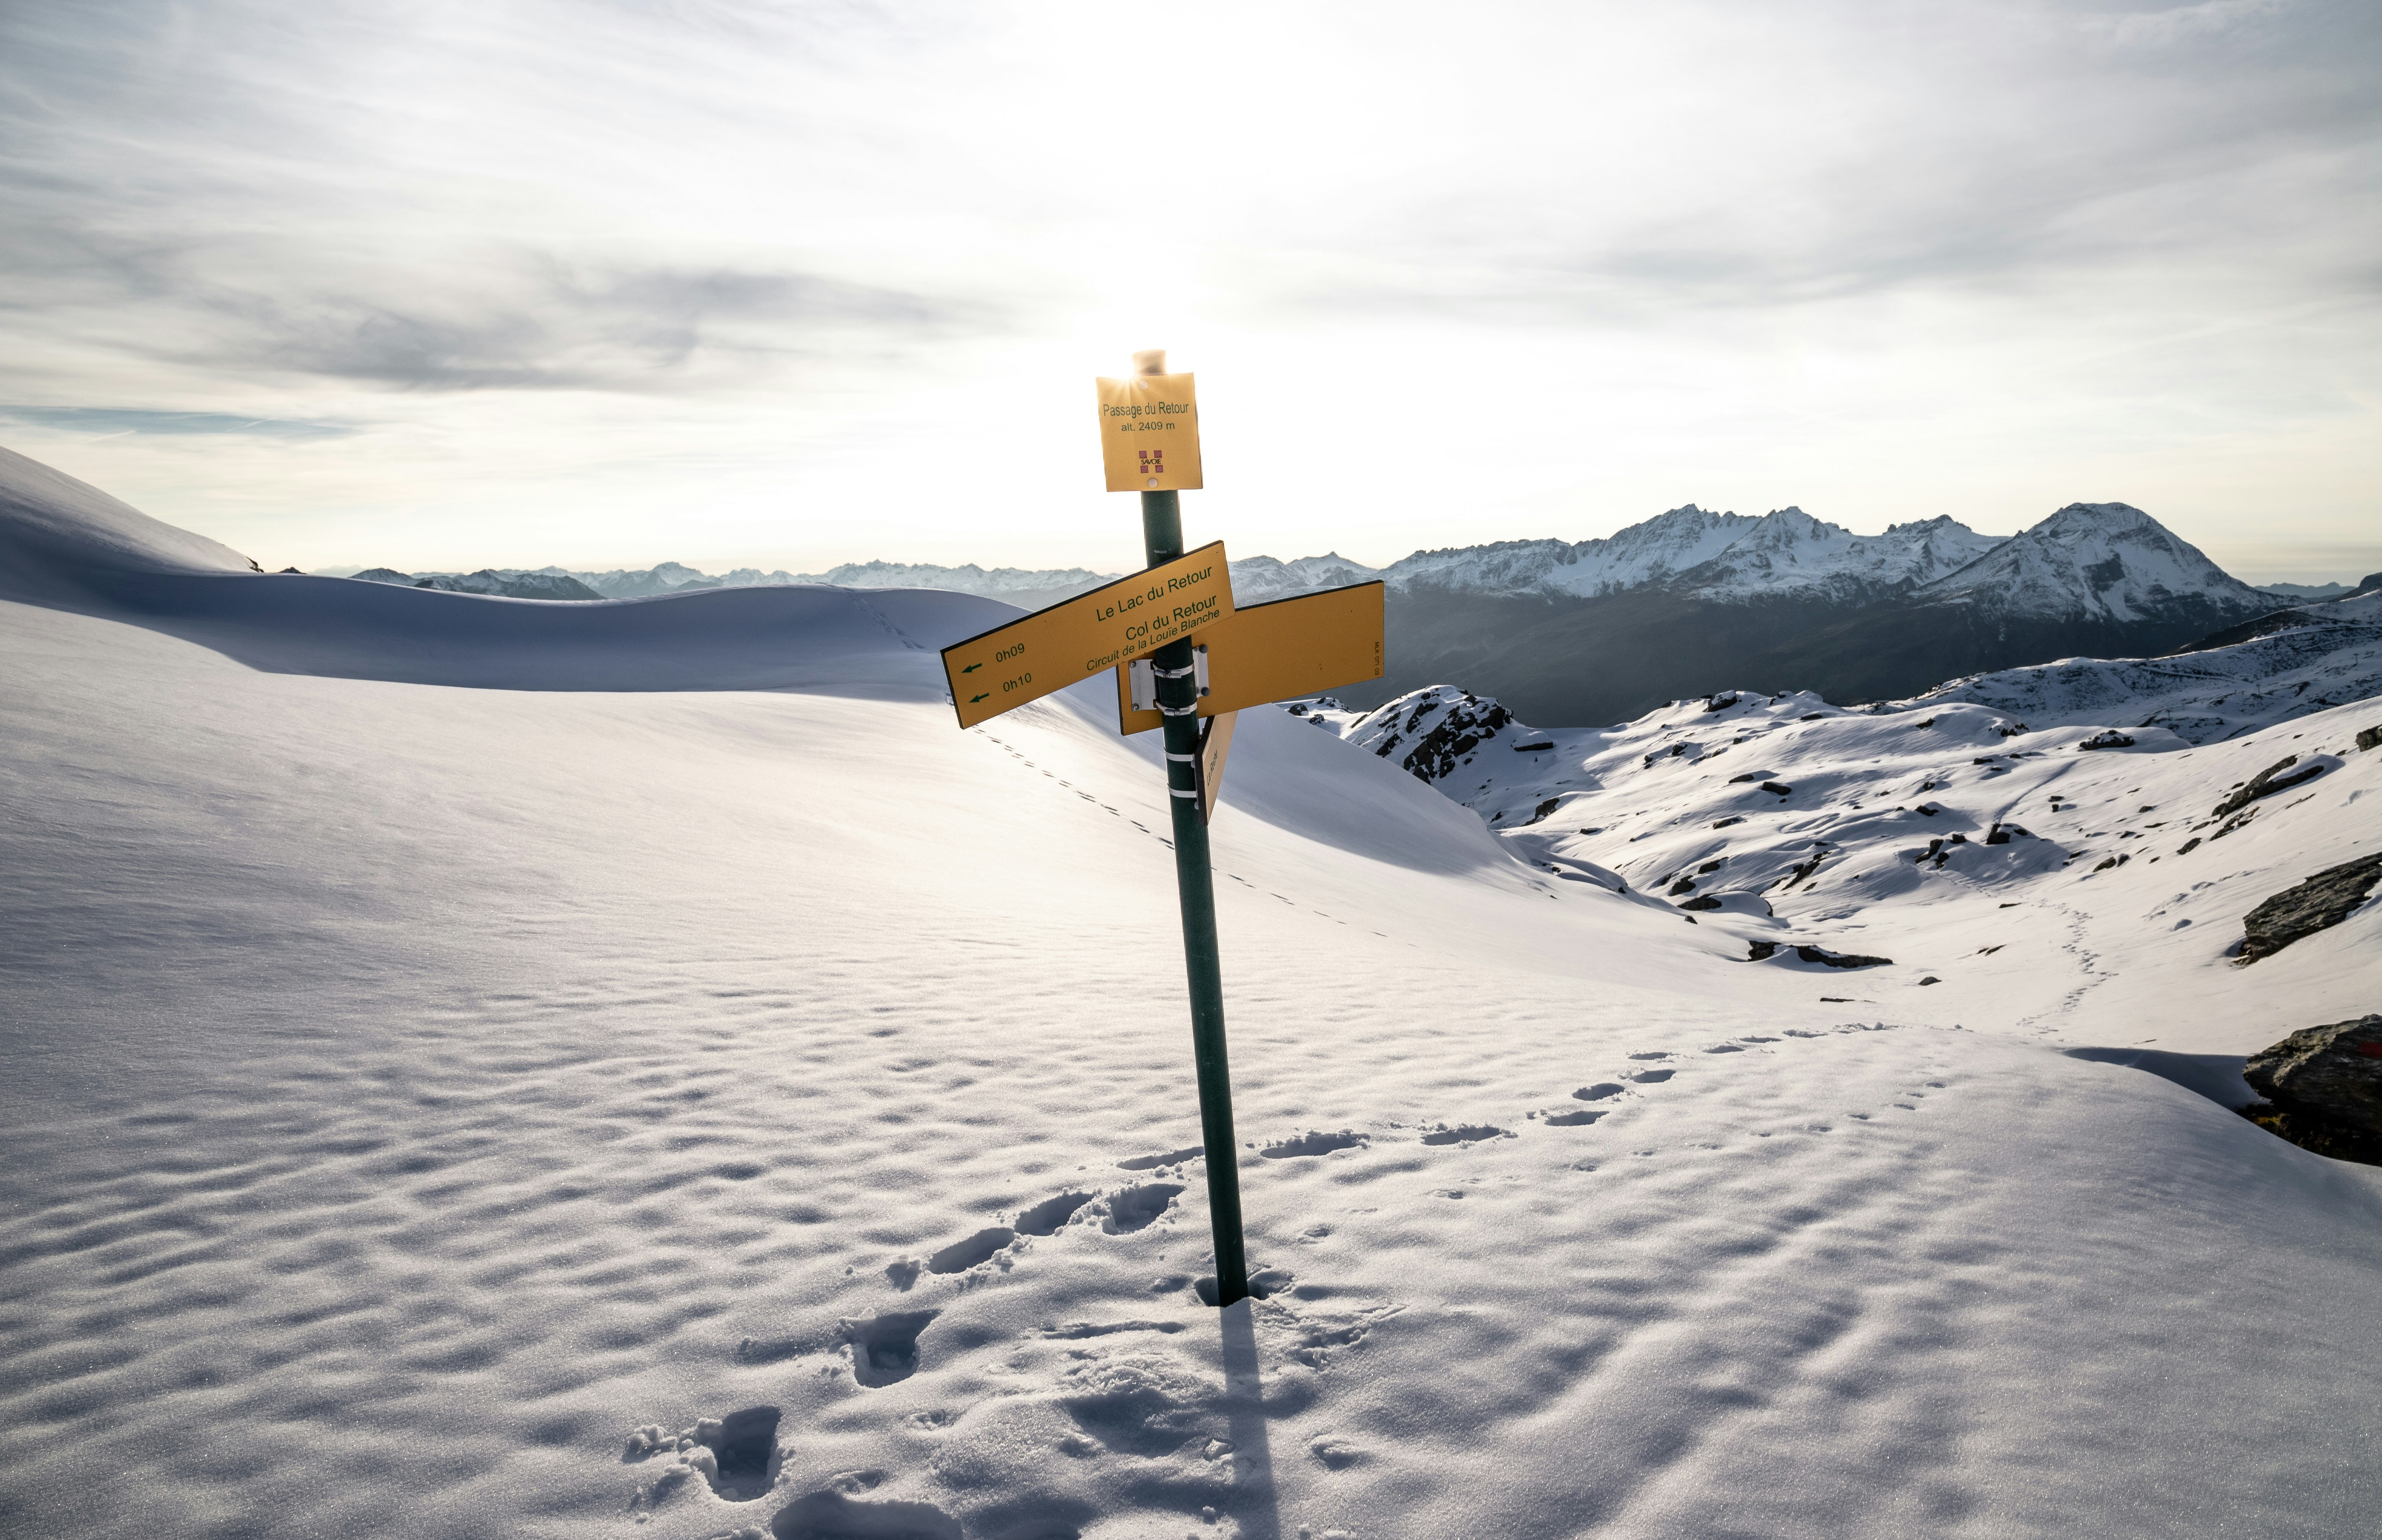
{"x":1867,"y":834}
{"x":533,"y":1110}
{"x":419,"y":1092}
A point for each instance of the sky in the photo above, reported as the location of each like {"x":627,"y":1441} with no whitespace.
{"x":512,"y":282}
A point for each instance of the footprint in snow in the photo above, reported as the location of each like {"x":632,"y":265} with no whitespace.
{"x":1573,"y":1119}
{"x":1650,"y":1055}
{"x":960,"y":1255}
{"x":1151,"y":1163}
{"x":1047,"y":1216}
{"x":1313,"y":1144}
{"x":885,"y":1348}
{"x":831,"y":1515}
{"x":1136,"y":1208}
{"x":1603,"y":1090}
{"x":736,"y":1454}
{"x":1470,"y":1133}
{"x":1652,"y":1077}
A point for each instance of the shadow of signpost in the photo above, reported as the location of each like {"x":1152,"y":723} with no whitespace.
{"x":1256,"y":1506}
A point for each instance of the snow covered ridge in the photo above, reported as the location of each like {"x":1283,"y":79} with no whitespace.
{"x":1867,"y":837}
{"x":2087,"y":562}
{"x":1015,"y":584}
{"x":2289,"y":664}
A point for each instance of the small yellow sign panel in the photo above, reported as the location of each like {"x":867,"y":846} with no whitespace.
{"x":1068,"y":642}
{"x":1149,"y":434}
{"x":1280,"y":651}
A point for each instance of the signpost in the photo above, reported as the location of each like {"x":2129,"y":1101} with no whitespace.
{"x":1279,"y":650}
{"x":1149,"y":443}
{"x":1068,"y":642}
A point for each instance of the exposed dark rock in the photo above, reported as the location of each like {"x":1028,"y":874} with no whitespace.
{"x":2113,"y":861}
{"x":2334,"y":1071}
{"x":2110,"y":739}
{"x":2189,"y":845}
{"x":1531,"y":749}
{"x":286,"y":570}
{"x":1840,"y":959}
{"x":2266,"y":783}
{"x":2369,"y":737}
{"x":2317,"y":1133}
{"x":1721,"y":702}
{"x":1685,"y":885}
{"x":1711,"y":866}
{"x":1724,"y":823}
{"x":1748,"y":775}
{"x":1701,"y":904}
{"x":2318,"y":904}
{"x":1781,"y":788}
{"x":1762,"y":951}
{"x":1929,"y":722}
{"x":1466,"y":722}
{"x":1931,"y":978}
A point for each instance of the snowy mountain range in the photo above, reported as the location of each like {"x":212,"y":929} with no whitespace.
{"x":2098,"y":559}
{"x":1028,"y":589}
{"x":1685,"y":603}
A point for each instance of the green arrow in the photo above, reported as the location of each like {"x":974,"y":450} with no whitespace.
{"x":972,"y":668}
{"x":973,"y":700}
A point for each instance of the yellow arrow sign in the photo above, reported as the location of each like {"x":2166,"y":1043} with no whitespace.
{"x":1279,"y":650}
{"x":1053,"y":648}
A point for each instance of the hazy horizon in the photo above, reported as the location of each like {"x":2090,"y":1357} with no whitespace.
{"x":791,"y":286}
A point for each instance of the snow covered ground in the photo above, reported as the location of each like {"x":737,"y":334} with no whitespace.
{"x":436,"y":1105}
{"x":2106,"y":911}
{"x":2303,"y":660}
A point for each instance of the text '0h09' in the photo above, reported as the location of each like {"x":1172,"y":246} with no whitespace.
{"x":1053,"y":648}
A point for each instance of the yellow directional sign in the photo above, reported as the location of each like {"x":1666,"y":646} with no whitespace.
{"x":1214,"y":744}
{"x":1149,"y":433}
{"x":1279,"y":651}
{"x":1053,"y":648}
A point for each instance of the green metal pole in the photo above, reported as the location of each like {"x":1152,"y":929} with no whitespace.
{"x":1178,"y":698}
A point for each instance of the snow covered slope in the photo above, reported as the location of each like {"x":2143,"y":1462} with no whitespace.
{"x":2287,"y":665}
{"x":58,"y":535}
{"x":441,"y":1112}
{"x":2095,"y":561}
{"x":2016,"y":874}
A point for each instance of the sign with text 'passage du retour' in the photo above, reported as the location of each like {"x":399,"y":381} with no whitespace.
{"x":1069,"y":642}
{"x":1279,"y":650}
{"x":1149,"y":433}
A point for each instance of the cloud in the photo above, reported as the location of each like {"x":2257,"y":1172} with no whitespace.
{"x":1975,"y":256}
{"x":113,"y":420}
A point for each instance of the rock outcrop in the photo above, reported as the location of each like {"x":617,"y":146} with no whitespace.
{"x":2333,"y":1072}
{"x":2318,"y":904}
{"x":2272,"y":779}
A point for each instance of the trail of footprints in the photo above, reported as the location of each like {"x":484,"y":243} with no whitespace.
{"x":739,"y":1456}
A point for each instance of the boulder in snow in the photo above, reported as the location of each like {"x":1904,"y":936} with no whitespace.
{"x":2334,"y":1071}
{"x":2318,"y":904}
{"x":2281,"y":776}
